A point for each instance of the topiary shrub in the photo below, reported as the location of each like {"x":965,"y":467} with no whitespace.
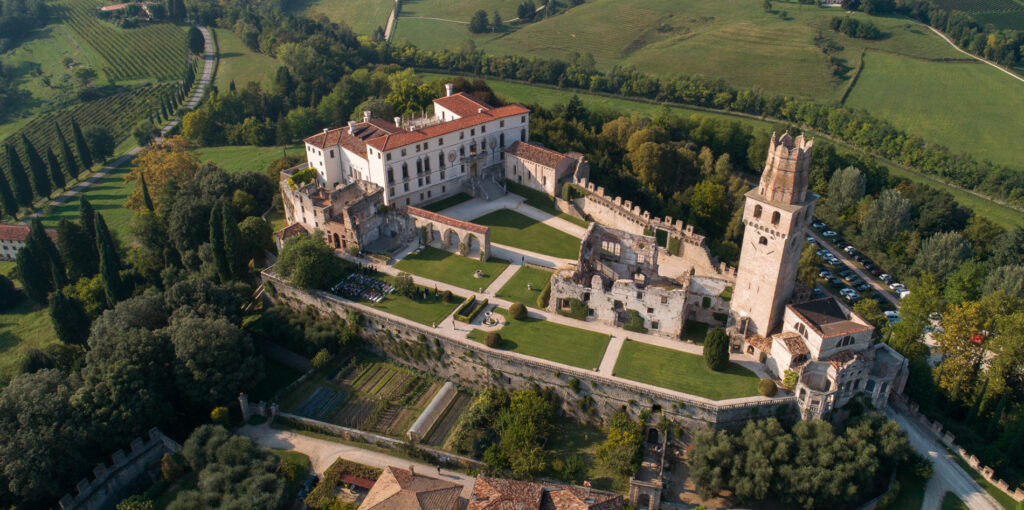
{"x":517,"y":311}
{"x":493,"y":340}
{"x":716,"y":349}
{"x":766,"y":387}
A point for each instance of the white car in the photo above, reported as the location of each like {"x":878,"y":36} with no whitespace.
{"x":904,"y":293}
{"x":829,"y":233}
{"x":893,"y":285}
{"x":812,"y":240}
{"x":850,"y":249}
{"x":885,"y":277}
{"x":891,"y":314}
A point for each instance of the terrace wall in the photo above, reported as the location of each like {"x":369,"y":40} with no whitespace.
{"x":473,"y":365}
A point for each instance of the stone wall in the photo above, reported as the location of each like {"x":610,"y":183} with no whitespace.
{"x":110,"y":482}
{"x":472,"y":365}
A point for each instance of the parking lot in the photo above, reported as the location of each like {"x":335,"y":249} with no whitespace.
{"x":851,"y":274}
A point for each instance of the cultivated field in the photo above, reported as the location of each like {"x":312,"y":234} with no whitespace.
{"x":238,"y":63}
{"x":364,"y":16}
{"x":932,"y":103}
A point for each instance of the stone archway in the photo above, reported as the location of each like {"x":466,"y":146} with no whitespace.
{"x":473,"y":246}
{"x":450,"y":240}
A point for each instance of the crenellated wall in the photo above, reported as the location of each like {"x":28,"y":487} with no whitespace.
{"x":472,"y":365}
{"x":110,"y":482}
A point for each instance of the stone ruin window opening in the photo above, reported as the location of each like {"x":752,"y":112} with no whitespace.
{"x":757,"y":211}
{"x":776,"y":217}
{"x":763,"y":241}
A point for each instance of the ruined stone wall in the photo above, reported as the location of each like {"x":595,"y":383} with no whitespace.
{"x":702,"y":287}
{"x":662,"y":309}
{"x":473,"y":366}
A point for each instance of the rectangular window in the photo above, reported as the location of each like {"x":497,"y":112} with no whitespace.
{"x":389,"y":156}
{"x":650,"y":310}
{"x":417,"y":147}
{"x":391,"y":176}
{"x":462,"y":134}
{"x":406,"y":186}
{"x":522,"y":119}
{"x":442,"y":175}
{"x":421,"y":182}
{"x":472,"y":132}
{"x":332,"y":153}
{"x":483,"y":129}
{"x":403,"y":152}
{"x":392,"y":192}
{"x":501,"y":124}
{"x":442,"y":188}
{"x":428,"y":180}
{"x":428,"y":194}
{"x":440,"y":142}
{"x":654,"y":324}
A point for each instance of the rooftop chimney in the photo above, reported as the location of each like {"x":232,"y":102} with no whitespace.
{"x":398,"y":121}
{"x":366,"y":115}
{"x":351,"y":126}
{"x":449,"y":88}
{"x":325,"y":135}
{"x":479,"y":110}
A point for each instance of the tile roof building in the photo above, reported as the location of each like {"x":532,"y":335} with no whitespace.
{"x":403,"y":489}
{"x":419,"y":160}
{"x":12,"y":238}
{"x":501,"y":494}
{"x":540,"y":168}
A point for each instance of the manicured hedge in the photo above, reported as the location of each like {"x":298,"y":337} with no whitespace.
{"x":461,"y":313}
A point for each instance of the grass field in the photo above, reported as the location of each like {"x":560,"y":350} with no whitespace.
{"x":911,"y":494}
{"x":988,"y":125}
{"x":107,"y":197}
{"x":513,"y":229}
{"x":450,"y":268}
{"x":237,"y":62}
{"x":428,"y":311}
{"x":23,"y":327}
{"x":364,"y":16}
{"x":245,"y":158}
{"x":681,"y":371}
{"x":515,"y":289}
{"x":555,"y":342}
{"x":542,"y":201}
{"x":951,"y":502}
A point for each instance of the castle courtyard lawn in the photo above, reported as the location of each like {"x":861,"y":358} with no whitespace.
{"x":513,"y":229}
{"x":429,"y":311}
{"x":682,"y":371}
{"x":450,"y":268}
{"x":554,"y":342}
{"x":516,"y":290}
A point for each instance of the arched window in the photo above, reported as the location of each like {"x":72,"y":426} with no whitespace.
{"x":776,"y":217}
{"x":757,"y":211}
{"x":763,"y":240}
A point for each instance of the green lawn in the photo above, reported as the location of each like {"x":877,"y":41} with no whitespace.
{"x":551,"y":341}
{"x":515,"y":289}
{"x":695,"y":331}
{"x":245,"y":158}
{"x":237,"y":62}
{"x":543,"y":201}
{"x":513,"y":229}
{"x":107,"y":197}
{"x":23,"y":327}
{"x":683,"y":372}
{"x":951,"y":502}
{"x":426,"y":312}
{"x":968,"y":107}
{"x":364,"y":16}
{"x":304,"y":467}
{"x":450,"y":268}
{"x":445,"y":203}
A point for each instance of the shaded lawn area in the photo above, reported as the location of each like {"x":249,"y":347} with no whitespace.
{"x":543,"y":201}
{"x":107,"y":197}
{"x":513,"y":229}
{"x":445,"y":203}
{"x":23,"y":327}
{"x":450,"y":268}
{"x":424,"y":311}
{"x":245,"y":158}
{"x":276,"y":376}
{"x":949,"y":502}
{"x":516,"y":290}
{"x":911,"y":493}
{"x":569,"y":437}
{"x":682,"y":371}
{"x":695,"y":331}
{"x":304,"y":464}
{"x":551,"y":341}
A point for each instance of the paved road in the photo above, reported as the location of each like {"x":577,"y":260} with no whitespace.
{"x":323,"y":453}
{"x":948,"y":475}
{"x":209,"y":59}
{"x":856,"y":267}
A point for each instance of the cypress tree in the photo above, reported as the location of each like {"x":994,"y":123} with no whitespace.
{"x":51,"y":257}
{"x":56,"y":174}
{"x":76,"y":249}
{"x":110,"y":264}
{"x":65,"y":152}
{"x":37,"y":169}
{"x":83,"y":148}
{"x":220,"y":259}
{"x":7,"y":201}
{"x":58,"y":276}
{"x":32,"y":272}
{"x":22,"y":189}
{"x":146,"y":200}
{"x":87,"y":218}
{"x":233,"y":244}
{"x":69,"y":320}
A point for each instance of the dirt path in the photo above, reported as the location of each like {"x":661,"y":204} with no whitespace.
{"x":975,"y":57}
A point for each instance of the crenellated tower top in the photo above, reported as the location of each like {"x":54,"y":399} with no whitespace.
{"x":786,"y":170}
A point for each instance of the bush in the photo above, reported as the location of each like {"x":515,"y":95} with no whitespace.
{"x":716,"y":349}
{"x":789,"y":379}
{"x":545,"y":296}
{"x":493,"y":340}
{"x":517,"y":311}
{"x":574,"y":385}
{"x":221,"y":416}
{"x":766,"y":387}
{"x":321,"y":359}
{"x":447,"y":296}
{"x":469,"y":309}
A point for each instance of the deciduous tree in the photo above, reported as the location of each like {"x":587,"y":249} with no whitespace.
{"x":161,"y":163}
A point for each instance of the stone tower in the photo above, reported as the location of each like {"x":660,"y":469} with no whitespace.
{"x":774,"y":218}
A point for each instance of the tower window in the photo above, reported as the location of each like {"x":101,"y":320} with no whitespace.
{"x":757,"y":211}
{"x":763,"y":240}
{"x":776,"y":217}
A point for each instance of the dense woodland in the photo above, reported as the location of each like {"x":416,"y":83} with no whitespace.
{"x":18,"y":18}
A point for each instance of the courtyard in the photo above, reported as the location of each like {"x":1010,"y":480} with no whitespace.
{"x":551,"y":341}
{"x":447,"y":267}
{"x":513,"y":229}
{"x":525,"y":286}
{"x":681,"y":371}
{"x":424,"y":310}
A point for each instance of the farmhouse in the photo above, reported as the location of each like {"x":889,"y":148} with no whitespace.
{"x":501,"y":494}
{"x":12,"y":238}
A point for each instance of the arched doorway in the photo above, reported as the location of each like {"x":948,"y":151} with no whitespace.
{"x":653,"y":436}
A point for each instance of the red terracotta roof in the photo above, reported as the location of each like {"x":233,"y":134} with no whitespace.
{"x":446,"y":220}
{"x":356,"y":141}
{"x":290,"y":230}
{"x":404,"y":138}
{"x":461,"y":104}
{"x":355,"y":480}
{"x":401,"y":489}
{"x":20,"y":232}
{"x":501,"y":494}
{"x":536,"y":153}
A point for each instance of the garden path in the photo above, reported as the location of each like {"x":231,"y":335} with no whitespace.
{"x":323,"y":453}
{"x":477,"y":207}
{"x":503,"y":278}
{"x":611,"y":355}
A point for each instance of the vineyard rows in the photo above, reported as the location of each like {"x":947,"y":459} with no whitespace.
{"x":119,"y":113}
{"x":150,"y":51}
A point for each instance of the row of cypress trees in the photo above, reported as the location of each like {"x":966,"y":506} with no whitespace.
{"x":21,"y":184}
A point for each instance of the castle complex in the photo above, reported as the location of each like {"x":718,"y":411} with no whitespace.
{"x":364,"y":183}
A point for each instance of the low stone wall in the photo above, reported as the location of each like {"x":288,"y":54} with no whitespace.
{"x":949,"y":439}
{"x":112,"y":481}
{"x":475,"y":366}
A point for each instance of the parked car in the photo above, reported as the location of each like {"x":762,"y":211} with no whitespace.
{"x":812,"y":240}
{"x":875,"y":271}
{"x":891,"y":314}
{"x":829,"y":233}
{"x":825,"y":274}
{"x":818,"y":292}
{"x":835,"y":282}
{"x":852,"y":298}
{"x":818,"y":224}
{"x":885,"y":277}
{"x":841,"y":243}
{"x":845,"y":273}
{"x":935,"y":316}
{"x":895,"y":285}
{"x":904,"y":293}
{"x":850,"y":249}
{"x":862,"y":287}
